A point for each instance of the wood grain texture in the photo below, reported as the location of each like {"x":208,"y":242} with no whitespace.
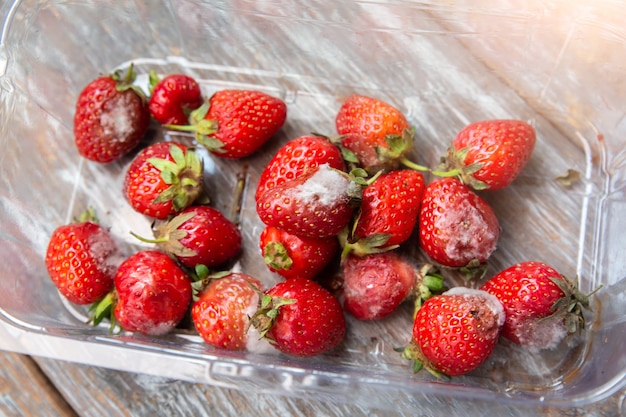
{"x":25,"y":390}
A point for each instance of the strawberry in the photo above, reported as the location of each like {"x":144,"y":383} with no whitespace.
{"x":81,"y":260}
{"x":377,"y":133}
{"x":153,"y":293}
{"x":457,"y":228}
{"x":374,"y":285}
{"x":221,"y":313}
{"x":455,"y":332}
{"x":235,"y":123}
{"x":163,"y":179}
{"x":490,"y":154}
{"x":294,"y":256}
{"x":541,"y":305}
{"x":173,"y":98}
{"x":198,"y":235}
{"x":296,"y":157}
{"x":300,"y":318}
{"x":314,"y":205}
{"x":388,"y":213}
{"x":111,"y":117}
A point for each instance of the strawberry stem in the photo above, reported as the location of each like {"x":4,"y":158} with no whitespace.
{"x":451,"y":173}
{"x":182,"y":128}
{"x":235,"y":207}
{"x":146,"y":240}
{"x":412,"y":165}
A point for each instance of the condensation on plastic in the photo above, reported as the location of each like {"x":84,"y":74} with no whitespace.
{"x":559,"y":65}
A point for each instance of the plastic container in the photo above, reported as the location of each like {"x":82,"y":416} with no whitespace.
{"x":559,"y":65}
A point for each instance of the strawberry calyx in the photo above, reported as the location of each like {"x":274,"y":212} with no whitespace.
{"x":453,"y":165}
{"x":183,"y":175}
{"x":153,"y":80}
{"x":103,"y":309}
{"x":474,"y":270}
{"x":266,"y":314}
{"x":359,"y":179}
{"x":125,"y":81}
{"x":276,"y":256}
{"x":203,"y":129}
{"x":349,"y":157}
{"x":413,"y":353}
{"x":167,"y":236}
{"x":201,"y":277}
{"x":88,"y":215}
{"x":429,"y":282}
{"x":397,"y":148}
{"x":389,"y":156}
{"x":570,"y":306}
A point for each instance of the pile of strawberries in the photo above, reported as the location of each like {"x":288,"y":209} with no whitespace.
{"x":352,"y":200}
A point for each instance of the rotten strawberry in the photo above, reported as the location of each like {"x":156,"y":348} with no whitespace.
{"x":455,"y":332}
{"x":111,"y":117}
{"x":542,"y":306}
{"x":314,"y":205}
{"x":457,"y":228}
{"x":81,"y":259}
{"x":152,"y":293}
{"x":221,"y":311}
{"x":295,"y":158}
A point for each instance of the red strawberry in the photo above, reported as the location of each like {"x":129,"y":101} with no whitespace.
{"x":314,"y":205}
{"x":173,"y":98}
{"x":81,"y":260}
{"x":457,"y":228}
{"x":374,"y":285}
{"x":490,"y":154}
{"x":541,"y":305}
{"x":300,"y":318}
{"x":163,"y":179}
{"x":111,"y":117}
{"x":388,"y":213}
{"x":455,"y":332}
{"x":296,"y":157}
{"x":235,"y":123}
{"x":294,"y":256}
{"x":222,"y":311}
{"x":198,"y":235}
{"x":153,"y":293}
{"x":375,"y":131}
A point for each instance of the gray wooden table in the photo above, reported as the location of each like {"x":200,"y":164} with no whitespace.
{"x":48,"y":388}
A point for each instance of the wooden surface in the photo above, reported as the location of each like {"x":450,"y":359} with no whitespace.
{"x":47,"y":388}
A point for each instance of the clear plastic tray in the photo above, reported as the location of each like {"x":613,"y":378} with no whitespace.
{"x":558,"y":65}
